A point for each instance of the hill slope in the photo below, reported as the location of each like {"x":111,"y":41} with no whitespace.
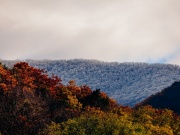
{"x":128,"y":83}
{"x":168,"y":98}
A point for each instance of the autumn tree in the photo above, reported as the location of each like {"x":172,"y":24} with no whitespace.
{"x":21,"y":110}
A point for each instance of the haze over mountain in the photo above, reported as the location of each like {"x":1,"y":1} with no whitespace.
{"x":116,"y":30}
{"x":128,"y":83}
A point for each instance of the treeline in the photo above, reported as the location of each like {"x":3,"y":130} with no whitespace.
{"x":31,"y":102}
{"x":127,"y":83}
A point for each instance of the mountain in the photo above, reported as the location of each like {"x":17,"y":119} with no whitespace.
{"x":128,"y":83}
{"x":168,"y":98}
{"x":33,"y":103}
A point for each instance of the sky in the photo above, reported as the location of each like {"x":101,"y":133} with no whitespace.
{"x":106,"y":30}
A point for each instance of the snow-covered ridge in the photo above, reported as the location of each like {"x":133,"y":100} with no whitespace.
{"x":128,"y":83}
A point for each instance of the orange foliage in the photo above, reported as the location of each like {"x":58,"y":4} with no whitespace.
{"x":30,"y":78}
{"x":7,"y":81}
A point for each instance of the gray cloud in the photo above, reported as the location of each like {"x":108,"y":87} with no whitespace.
{"x":117,"y":30}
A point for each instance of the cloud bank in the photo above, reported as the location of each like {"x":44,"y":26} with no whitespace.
{"x":117,"y":30}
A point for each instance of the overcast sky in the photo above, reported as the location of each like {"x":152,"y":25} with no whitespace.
{"x":107,"y":30}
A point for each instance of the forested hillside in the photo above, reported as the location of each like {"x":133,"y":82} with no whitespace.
{"x":32,"y":103}
{"x":128,"y":83}
{"x":168,"y":98}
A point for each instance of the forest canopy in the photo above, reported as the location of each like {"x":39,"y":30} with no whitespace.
{"x":31,"y":102}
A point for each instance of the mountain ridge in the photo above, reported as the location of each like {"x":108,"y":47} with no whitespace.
{"x":129,"y":83}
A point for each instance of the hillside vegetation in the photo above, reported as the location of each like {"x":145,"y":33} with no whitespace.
{"x":128,"y":83}
{"x":33,"y":103}
{"x":168,"y":98}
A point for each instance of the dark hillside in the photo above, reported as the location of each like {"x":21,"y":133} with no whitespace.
{"x":169,"y":98}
